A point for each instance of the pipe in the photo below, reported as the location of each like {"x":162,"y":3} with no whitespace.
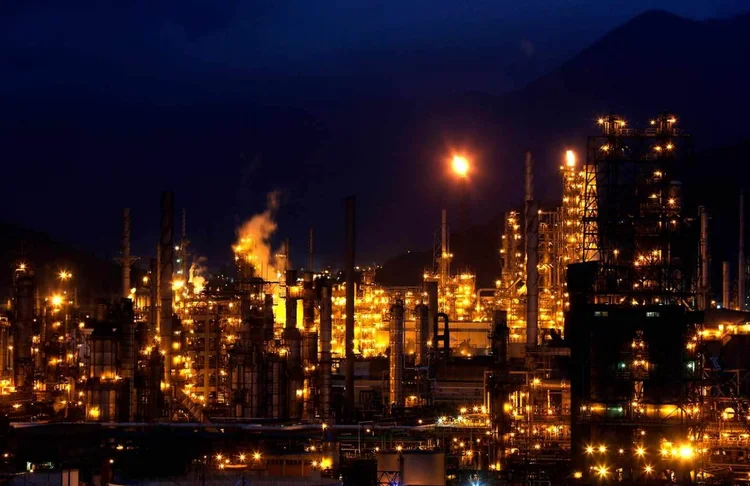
{"x":396,"y":358}
{"x":532,"y":243}
{"x":165,"y":279}
{"x":349,"y":334}
{"x":726,"y":285}
{"x":326,"y":331}
{"x":741,"y":270}
{"x":705,"y":272}
{"x":445,"y":338}
{"x":422,"y":334}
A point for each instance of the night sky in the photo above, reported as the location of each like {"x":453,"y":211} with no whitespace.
{"x":105,"y":106}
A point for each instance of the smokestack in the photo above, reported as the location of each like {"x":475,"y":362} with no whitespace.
{"x":166,"y":260}
{"x":532,"y":243}
{"x":326,"y":328}
{"x":349,"y":335}
{"x":422,"y":331}
{"x":726,"y":285}
{"x":310,"y":345}
{"x":396,"y":358}
{"x":705,"y":272}
{"x":741,"y":270}
{"x":184,"y":266}
{"x":126,"y":260}
{"x":310,"y":249}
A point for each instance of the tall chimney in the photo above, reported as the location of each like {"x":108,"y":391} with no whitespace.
{"x":310,"y":249}
{"x":126,"y":260}
{"x":166,"y":263}
{"x":532,"y":243}
{"x":349,"y":334}
{"x":396,"y":358}
{"x":705,"y":271}
{"x":326,"y":329}
{"x":726,"y":285}
{"x":741,"y":270}
{"x":127,"y":351}
{"x":445,"y":261}
{"x":293,"y":341}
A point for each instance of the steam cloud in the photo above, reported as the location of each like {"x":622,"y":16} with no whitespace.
{"x":254,"y":240}
{"x":197,"y":274}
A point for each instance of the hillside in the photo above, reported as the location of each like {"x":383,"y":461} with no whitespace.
{"x":92,"y":276}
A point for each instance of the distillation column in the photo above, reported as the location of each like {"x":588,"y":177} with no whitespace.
{"x":741,"y":269}
{"x":127,"y":354}
{"x":532,"y":243}
{"x":396,"y":359}
{"x":309,"y":346}
{"x":349,"y":334}
{"x":292,"y":339}
{"x":126,"y":261}
{"x":726,"y":296}
{"x":22,"y":365}
{"x":422,"y":334}
{"x":166,"y":262}
{"x":326,"y":330}
{"x":705,"y":272}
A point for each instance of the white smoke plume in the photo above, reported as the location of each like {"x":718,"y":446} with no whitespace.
{"x":254,"y":240}
{"x":197,"y":274}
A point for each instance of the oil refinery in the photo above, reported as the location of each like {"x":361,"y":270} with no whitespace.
{"x":601,"y":355}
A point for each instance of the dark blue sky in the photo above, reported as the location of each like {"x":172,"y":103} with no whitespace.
{"x":106,"y":105}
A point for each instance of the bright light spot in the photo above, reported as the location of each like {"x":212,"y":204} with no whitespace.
{"x":578,"y":474}
{"x":57,"y":300}
{"x":686,"y":451}
{"x":460,"y":166}
{"x":602,"y":448}
{"x":589,"y":450}
{"x":602,"y":471}
{"x":570,"y":158}
{"x":640,"y":451}
{"x":648,"y":469}
{"x":256,"y":456}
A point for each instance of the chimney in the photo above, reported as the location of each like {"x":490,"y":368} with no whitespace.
{"x":741,"y":269}
{"x":726,"y":287}
{"x":166,"y":262}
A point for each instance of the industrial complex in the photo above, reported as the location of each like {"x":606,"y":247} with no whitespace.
{"x":602,"y":354}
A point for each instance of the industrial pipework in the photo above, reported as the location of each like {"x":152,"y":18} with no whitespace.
{"x":396,"y":359}
{"x":532,"y":243}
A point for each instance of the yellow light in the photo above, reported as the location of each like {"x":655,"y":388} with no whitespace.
{"x":602,"y":449}
{"x":218,"y":457}
{"x":686,"y":451}
{"x":589,"y":450}
{"x":57,"y":300}
{"x":578,"y":475}
{"x":399,"y":448}
{"x":256,"y":456}
{"x":460,"y":166}
{"x":640,"y":451}
{"x":600,"y":121}
{"x":602,"y":471}
{"x":648,"y":469}
{"x":65,"y":275}
{"x":570,"y":158}
{"x":670,"y":146}
{"x":94,"y":413}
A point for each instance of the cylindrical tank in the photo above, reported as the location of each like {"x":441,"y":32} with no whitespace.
{"x":422,"y":333}
{"x":396,"y":359}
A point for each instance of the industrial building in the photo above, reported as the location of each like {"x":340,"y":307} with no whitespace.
{"x":599,"y":355}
